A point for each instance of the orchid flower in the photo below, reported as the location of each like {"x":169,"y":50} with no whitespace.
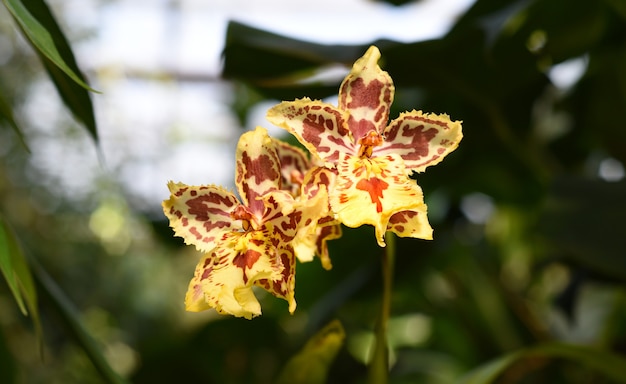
{"x":246,"y":242}
{"x":372,"y":158}
{"x":308,"y":181}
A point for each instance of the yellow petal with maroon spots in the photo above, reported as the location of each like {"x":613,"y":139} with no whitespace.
{"x":312,"y":237}
{"x":284,"y":286}
{"x":294,"y":164}
{"x":312,"y":208}
{"x":224,"y":278}
{"x":313,"y":243}
{"x":411,"y":223}
{"x":367,"y":93}
{"x":319,"y":126}
{"x":421,"y":139}
{"x":257,"y":170}
{"x":371,"y":190}
{"x":201,"y":215}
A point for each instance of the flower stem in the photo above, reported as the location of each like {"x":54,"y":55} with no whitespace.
{"x":379,"y":363}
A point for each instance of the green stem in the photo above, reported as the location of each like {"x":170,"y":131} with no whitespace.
{"x":379,"y":363}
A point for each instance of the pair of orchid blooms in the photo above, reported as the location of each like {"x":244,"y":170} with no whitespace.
{"x":291,"y":204}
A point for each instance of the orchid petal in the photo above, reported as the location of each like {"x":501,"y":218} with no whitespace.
{"x":225,"y":277}
{"x":370,"y":191}
{"x":314,"y":243}
{"x":294,"y":164}
{"x":421,"y":139}
{"x":411,"y":223}
{"x":319,"y":126}
{"x":367,"y":93}
{"x":257,"y":170}
{"x":283,"y":286}
{"x":312,"y":210}
{"x":201,"y":215}
{"x":321,"y":227}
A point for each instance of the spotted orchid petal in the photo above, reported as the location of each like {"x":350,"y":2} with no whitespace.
{"x":309,"y":184}
{"x":312,"y":239}
{"x":371,"y":190}
{"x":367,"y":93}
{"x":201,"y":215}
{"x":411,"y":223}
{"x":314,"y":208}
{"x":421,"y":139}
{"x":319,"y":126}
{"x":284,"y":285}
{"x":294,"y":164}
{"x":224,"y":277}
{"x":257,"y":171}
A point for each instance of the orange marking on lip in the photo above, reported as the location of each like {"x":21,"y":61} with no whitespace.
{"x":375,"y":188}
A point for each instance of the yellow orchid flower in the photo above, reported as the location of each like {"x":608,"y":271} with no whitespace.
{"x":373,"y":158}
{"x":245,"y":243}
{"x":309,"y":182}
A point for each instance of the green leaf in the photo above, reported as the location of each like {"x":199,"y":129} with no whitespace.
{"x":311,"y":364}
{"x":40,"y":27}
{"x":17,"y":275}
{"x":281,"y":62}
{"x":6,"y":115}
{"x":605,"y":362}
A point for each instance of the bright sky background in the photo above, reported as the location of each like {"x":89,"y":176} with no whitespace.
{"x":154,"y":128}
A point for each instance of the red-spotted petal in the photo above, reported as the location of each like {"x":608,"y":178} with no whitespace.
{"x":421,"y":139}
{"x":284,"y":286}
{"x":294,"y":164}
{"x":411,"y":223}
{"x":367,"y":93}
{"x":314,"y":242}
{"x":201,"y":215}
{"x":319,"y":126}
{"x":257,"y":170}
{"x":371,"y":190}
{"x":224,"y":278}
{"x":319,"y":226}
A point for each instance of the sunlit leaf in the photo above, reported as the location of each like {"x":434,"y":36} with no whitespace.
{"x":40,"y":28}
{"x":605,"y":362}
{"x":311,"y":364}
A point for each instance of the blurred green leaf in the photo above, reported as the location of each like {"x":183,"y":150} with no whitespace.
{"x":18,"y":277}
{"x":281,"y":62}
{"x":6,"y":114}
{"x":569,"y":225}
{"x":311,"y":364}
{"x":69,"y":316}
{"x":7,"y":362}
{"x":605,"y":362}
{"x":10,"y":253}
{"x":40,"y":27}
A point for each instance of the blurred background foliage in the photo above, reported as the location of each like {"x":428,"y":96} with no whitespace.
{"x":524,"y":282}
